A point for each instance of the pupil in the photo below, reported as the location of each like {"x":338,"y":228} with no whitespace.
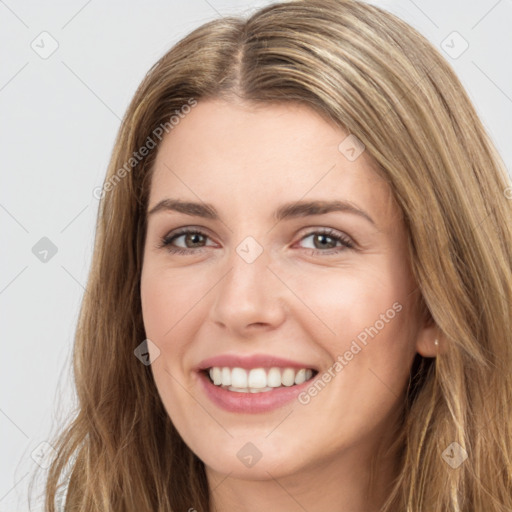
{"x":322,"y":238}
{"x":193,"y":237}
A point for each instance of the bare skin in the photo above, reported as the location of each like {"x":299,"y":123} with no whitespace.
{"x":306,"y":297}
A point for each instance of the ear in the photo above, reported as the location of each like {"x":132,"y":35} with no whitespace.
{"x":429,"y":339}
{"x":429,"y":342}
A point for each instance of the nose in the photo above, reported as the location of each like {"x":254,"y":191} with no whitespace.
{"x":249,"y":298}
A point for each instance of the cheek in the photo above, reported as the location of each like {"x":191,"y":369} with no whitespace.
{"x":169,"y":299}
{"x":366,"y":328}
{"x":346,"y":301}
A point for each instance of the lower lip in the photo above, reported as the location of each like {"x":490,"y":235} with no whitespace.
{"x":265,"y":401}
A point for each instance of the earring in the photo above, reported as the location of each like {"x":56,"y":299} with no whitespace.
{"x":436,"y":342}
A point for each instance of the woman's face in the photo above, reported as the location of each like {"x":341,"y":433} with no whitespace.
{"x":276,"y":275}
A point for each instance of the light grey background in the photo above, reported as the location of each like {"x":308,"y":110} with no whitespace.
{"x":60,"y":115}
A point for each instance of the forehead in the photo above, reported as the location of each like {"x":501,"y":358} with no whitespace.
{"x":257,"y":155}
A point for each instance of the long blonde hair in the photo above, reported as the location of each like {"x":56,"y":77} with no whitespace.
{"x":372,"y":74}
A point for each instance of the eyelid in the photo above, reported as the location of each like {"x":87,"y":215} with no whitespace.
{"x":346,"y":241}
{"x":165,"y":241}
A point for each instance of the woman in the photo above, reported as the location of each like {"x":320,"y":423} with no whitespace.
{"x":300,"y":295}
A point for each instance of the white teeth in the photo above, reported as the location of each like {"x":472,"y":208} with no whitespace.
{"x":288,"y":377}
{"x":259,"y":390}
{"x":258,"y":380}
{"x":300,"y":377}
{"x":274,"y":377}
{"x":226,"y":376}
{"x":238,"y":378}
{"x":238,"y":390}
{"x":248,"y":390}
{"x":217,"y":376}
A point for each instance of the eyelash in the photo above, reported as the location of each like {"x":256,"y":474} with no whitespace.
{"x":166,"y":241}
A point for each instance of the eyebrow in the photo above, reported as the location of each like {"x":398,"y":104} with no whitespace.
{"x":285,"y":211}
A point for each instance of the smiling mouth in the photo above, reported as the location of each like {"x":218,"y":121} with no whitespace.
{"x":257,"y":380}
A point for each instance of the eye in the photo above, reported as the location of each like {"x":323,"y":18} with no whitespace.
{"x":193,"y":239}
{"x":328,"y":241}
{"x":325,"y":241}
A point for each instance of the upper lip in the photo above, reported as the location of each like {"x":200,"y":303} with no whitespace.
{"x":250,"y":361}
